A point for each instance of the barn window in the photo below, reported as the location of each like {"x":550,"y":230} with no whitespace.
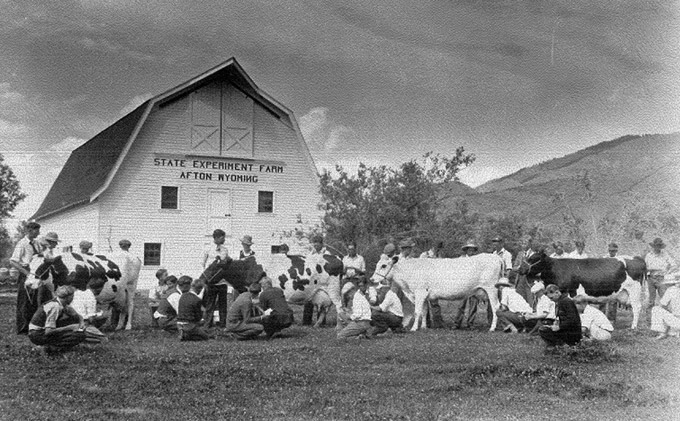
{"x":265,"y":201}
{"x":169,"y":197}
{"x":152,"y":254}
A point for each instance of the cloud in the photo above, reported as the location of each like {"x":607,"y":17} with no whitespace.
{"x":133,"y":104}
{"x":322,"y":133}
{"x":68,"y":144}
{"x":9,"y":129}
{"x":6,"y":94}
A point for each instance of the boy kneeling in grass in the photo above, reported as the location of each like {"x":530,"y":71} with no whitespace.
{"x":190,"y":315}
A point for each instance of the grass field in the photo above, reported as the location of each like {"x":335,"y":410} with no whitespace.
{"x":148,"y":375}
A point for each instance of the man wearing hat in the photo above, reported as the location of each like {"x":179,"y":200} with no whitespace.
{"x":216,"y":295}
{"x":470,"y":249}
{"x":544,"y":312}
{"x":579,"y":252}
{"x":85,"y":247}
{"x":240,"y":319}
{"x":130,"y":266}
{"x":27,"y":302}
{"x":56,"y":325}
{"x":51,"y":240}
{"x":513,"y":309}
{"x":506,"y":256}
{"x":247,"y":251}
{"x":666,"y":316}
{"x":659,"y":264}
{"x":470,"y":305}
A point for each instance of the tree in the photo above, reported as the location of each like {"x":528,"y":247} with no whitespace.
{"x":10,"y":196}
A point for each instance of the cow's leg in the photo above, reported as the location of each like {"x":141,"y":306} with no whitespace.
{"x":420,"y":298}
{"x":492,"y":294}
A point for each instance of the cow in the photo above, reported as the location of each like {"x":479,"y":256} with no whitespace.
{"x":324,"y":273}
{"x":238,"y":273}
{"x":286,"y":272}
{"x":76,"y":269}
{"x":601,"y":279}
{"x":447,"y":279}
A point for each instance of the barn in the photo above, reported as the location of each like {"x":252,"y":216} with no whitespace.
{"x":213,"y":152}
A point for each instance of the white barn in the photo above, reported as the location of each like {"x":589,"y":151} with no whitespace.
{"x":213,"y":152}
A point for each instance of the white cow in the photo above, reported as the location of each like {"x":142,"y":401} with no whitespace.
{"x":447,"y":279}
{"x":323,"y":274}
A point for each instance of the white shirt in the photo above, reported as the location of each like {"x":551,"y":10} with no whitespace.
{"x":173,"y":299}
{"x":671,"y":300}
{"x":361,"y":310}
{"x":357,"y":263}
{"x":592,"y":317}
{"x":506,"y":256}
{"x":24,"y":251}
{"x":576,"y":255}
{"x":659,"y":262}
{"x":559,"y":256}
{"x":84,"y":303}
{"x":514,"y":302}
{"x":392,"y":304}
{"x":546,"y":306}
{"x":212,"y":252}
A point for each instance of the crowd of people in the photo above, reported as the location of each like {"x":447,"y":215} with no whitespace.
{"x":62,"y":318}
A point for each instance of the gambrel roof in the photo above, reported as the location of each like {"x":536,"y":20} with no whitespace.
{"x":90,"y":168}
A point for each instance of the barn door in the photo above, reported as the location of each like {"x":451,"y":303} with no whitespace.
{"x":219,"y":211}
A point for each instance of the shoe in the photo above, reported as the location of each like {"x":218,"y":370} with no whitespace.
{"x":661,"y":336}
{"x":513,"y":329}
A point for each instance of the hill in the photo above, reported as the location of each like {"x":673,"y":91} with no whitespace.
{"x":626,"y":181}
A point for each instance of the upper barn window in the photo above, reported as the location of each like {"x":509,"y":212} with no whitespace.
{"x":265,"y":201}
{"x":152,"y":254}
{"x":169,"y":197}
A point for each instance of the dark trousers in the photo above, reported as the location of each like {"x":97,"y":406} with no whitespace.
{"x":507,"y":318}
{"x":276,"y":323}
{"x":381,"y":321}
{"x":192,"y":332}
{"x":168,"y":324}
{"x":308,"y":314}
{"x":552,"y":338}
{"x":63,"y":339}
{"x":215,"y":297}
{"x":28,"y":301}
{"x":466,"y":313}
{"x":434,"y":319}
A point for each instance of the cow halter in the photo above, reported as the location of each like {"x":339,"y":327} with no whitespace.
{"x":388,"y":270}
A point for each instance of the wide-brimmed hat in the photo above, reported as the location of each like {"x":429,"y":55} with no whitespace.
{"x":247,"y":239}
{"x":505,"y":282}
{"x":497,"y":240}
{"x":51,"y":236}
{"x":470,"y":245}
{"x":658,"y":242}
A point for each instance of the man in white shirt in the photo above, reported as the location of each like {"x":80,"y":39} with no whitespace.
{"x":27,"y":298}
{"x":612,"y":250}
{"x":130,"y":266}
{"x":544,"y":312}
{"x":216,"y":294}
{"x":506,"y":256}
{"x":666,"y":316}
{"x":594,"y":324}
{"x":85,"y":303}
{"x":659,"y":264}
{"x":579,"y":252}
{"x":360,"y":319}
{"x":559,"y":251}
{"x":513,"y":307}
{"x":353,"y":264}
{"x":389,"y":314}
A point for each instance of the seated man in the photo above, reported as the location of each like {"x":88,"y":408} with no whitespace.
{"x":166,"y":315}
{"x":389,"y":314}
{"x":190,"y":315}
{"x":281,"y":316}
{"x":594,"y":324}
{"x":56,"y":325}
{"x":360,"y":320}
{"x":666,"y":315}
{"x":240,"y":320}
{"x":567,"y":326}
{"x":545,"y":310}
{"x":513,"y":308}
{"x":85,"y":303}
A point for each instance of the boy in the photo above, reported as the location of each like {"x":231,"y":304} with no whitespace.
{"x":190,"y":314}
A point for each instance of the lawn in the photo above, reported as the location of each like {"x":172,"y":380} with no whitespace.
{"x":307,"y":374}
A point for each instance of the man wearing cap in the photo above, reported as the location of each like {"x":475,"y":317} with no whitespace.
{"x":666,"y":316}
{"x":56,"y":325}
{"x":506,"y":256}
{"x":85,"y":247}
{"x":130,"y":266}
{"x":579,"y":252}
{"x":544,"y":312}
{"x":215,"y":295}
{"x":21,"y":258}
{"x":241,"y":322}
{"x":513,"y":309}
{"x":659,"y":264}
{"x":281,"y":316}
{"x":469,"y":249}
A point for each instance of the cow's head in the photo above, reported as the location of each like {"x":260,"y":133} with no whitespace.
{"x":383,"y":272}
{"x":318,"y":270}
{"x":50,"y":270}
{"x":536,"y":264}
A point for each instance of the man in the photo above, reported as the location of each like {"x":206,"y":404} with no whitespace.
{"x":85,"y":303}
{"x":281,"y":316}
{"x":544,"y":312}
{"x":51,"y":240}
{"x":435,"y":252}
{"x":666,"y":316}
{"x":353,"y":265}
{"x":318,"y":249}
{"x":567,"y":326}
{"x":190,"y":312}
{"x":389,"y":314}
{"x":579,"y":252}
{"x":215,"y":295}
{"x":166,"y":315}
{"x":506,"y":256}
{"x":247,"y":251}
{"x":559,"y":250}
{"x":405,"y":248}
{"x":56,"y":325}
{"x":360,"y":320}
{"x":27,"y":298}
{"x":467,"y":311}
{"x":85,"y":247}
{"x":470,"y":249}
{"x":520,"y":265}
{"x":612,"y":250}
{"x":513,"y":308}
{"x":241,"y":322}
{"x":659,"y":264}
{"x":594,"y":324}
{"x":130,"y":266}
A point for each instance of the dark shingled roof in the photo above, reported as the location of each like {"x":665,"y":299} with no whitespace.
{"x":88,"y":166}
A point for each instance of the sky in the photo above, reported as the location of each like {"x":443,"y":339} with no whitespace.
{"x":513,"y":82}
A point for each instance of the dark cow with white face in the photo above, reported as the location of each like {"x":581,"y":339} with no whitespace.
{"x":604,"y":278}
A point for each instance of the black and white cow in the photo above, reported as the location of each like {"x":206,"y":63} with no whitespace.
{"x":604,"y":278}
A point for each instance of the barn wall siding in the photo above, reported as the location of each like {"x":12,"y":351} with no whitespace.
{"x":130,"y":207}
{"x":75,"y":225}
